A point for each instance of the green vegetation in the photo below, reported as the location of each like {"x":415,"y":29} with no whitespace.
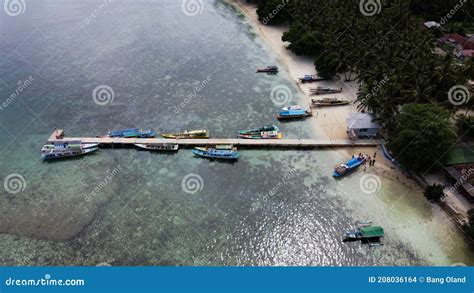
{"x":403,"y":80}
{"x":421,"y":134}
{"x":434,"y":192}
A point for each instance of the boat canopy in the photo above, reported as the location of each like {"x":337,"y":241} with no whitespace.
{"x":372,"y":231}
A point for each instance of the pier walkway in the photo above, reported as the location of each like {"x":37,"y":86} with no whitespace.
{"x":58,"y":136}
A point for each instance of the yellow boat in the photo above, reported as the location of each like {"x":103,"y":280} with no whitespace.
{"x":187,"y":134}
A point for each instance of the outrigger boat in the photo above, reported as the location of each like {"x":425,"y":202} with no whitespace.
{"x":62,"y":151}
{"x":213,"y":153}
{"x":225,"y":147}
{"x":69,"y":144}
{"x":324,"y":102}
{"x":158,"y":146}
{"x":262,"y":135}
{"x":268,"y":69}
{"x":132,"y":132}
{"x":265,"y":128}
{"x":367,"y":233}
{"x":351,"y":165}
{"x":294,"y":114}
{"x":324,"y":90}
{"x":187,"y":134}
{"x":265,"y":132}
{"x":311,"y":78}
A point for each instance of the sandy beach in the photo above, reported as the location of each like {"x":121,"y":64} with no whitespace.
{"x":328,"y":122}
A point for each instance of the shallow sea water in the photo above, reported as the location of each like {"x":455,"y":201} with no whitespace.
{"x":129,"y":207}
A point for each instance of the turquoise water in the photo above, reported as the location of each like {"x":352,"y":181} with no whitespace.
{"x":171,"y":71}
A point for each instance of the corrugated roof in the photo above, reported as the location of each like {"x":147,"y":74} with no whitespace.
{"x":362,"y":121}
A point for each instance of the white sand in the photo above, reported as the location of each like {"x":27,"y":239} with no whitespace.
{"x":328,"y":122}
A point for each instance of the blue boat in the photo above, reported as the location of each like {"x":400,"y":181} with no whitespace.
{"x":351,"y":165}
{"x":311,"y":78}
{"x":212,"y":153}
{"x":289,"y":113}
{"x":132,"y":132}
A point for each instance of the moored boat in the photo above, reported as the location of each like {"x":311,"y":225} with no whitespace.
{"x":346,"y":168}
{"x":324,"y":102}
{"x":266,"y":128}
{"x":187,"y":134}
{"x":294,"y":114}
{"x":294,"y":107}
{"x":262,"y":135}
{"x":311,"y":78}
{"x":63,"y":151}
{"x":132,"y":132}
{"x":268,"y":69}
{"x":69,"y":144}
{"x":367,"y":232}
{"x":227,"y":147}
{"x":212,"y":153}
{"x":158,"y":146}
{"x":324,"y":90}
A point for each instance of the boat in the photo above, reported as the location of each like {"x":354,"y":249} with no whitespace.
{"x":62,"y":151}
{"x":324,"y":102}
{"x":187,"y":134}
{"x":262,"y":135}
{"x":367,"y":232}
{"x":212,"y":153}
{"x":294,"y":114}
{"x":266,"y":128}
{"x":227,"y":147}
{"x":158,"y":146}
{"x":132,"y":132}
{"x":324,"y":90}
{"x":295,"y":107}
{"x":268,"y":69}
{"x":67,"y":144}
{"x":311,"y":78}
{"x":351,"y":165}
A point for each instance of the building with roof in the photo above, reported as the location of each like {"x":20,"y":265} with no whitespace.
{"x":362,"y":125}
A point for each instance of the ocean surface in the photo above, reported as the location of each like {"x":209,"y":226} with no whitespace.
{"x":91,"y":66}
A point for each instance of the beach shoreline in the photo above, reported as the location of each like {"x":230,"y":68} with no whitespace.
{"x":328,"y":122}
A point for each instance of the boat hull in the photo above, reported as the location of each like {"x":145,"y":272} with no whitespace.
{"x":67,"y":154}
{"x":223,"y":155}
{"x":158,"y":147}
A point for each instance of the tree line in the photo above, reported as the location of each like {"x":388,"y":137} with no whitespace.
{"x":388,"y":51}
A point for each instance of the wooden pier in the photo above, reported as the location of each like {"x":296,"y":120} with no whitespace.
{"x":58,"y":136}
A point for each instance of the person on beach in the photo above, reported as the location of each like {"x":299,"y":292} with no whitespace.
{"x":373,"y":163}
{"x":375,"y":155}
